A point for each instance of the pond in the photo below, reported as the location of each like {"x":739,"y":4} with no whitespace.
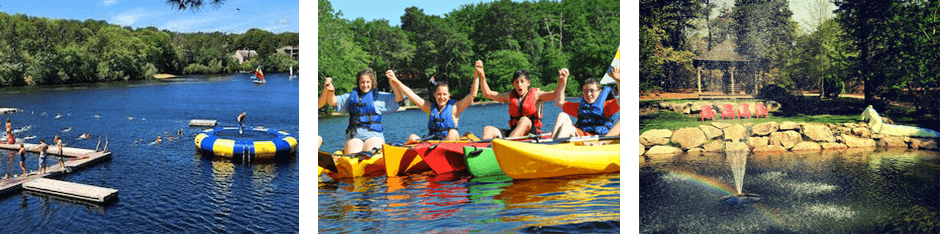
{"x":165,"y":187}
{"x":849,"y":191}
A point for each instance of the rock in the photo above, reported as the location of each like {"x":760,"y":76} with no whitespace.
{"x":806,"y":146}
{"x":843,"y":130}
{"x":878,"y":136}
{"x":850,"y":125}
{"x":923,"y":143}
{"x":714,"y":145}
{"x":734,"y":133}
{"x":886,"y":120}
{"x":642,"y":149}
{"x":861,"y":132}
{"x":720,"y":125}
{"x":892,"y":142}
{"x":862,"y":125}
{"x":855,"y":142}
{"x":736,"y":147}
{"x":755,"y":142}
{"x":772,"y":105}
{"x":748,"y":124}
{"x":710,"y":131}
{"x":786,"y":139}
{"x":687,"y":110}
{"x":789,"y":125}
{"x":663,"y":150}
{"x":655,"y":137}
{"x":769,"y":149}
{"x":696,"y":151}
{"x":697,"y":106}
{"x":764,"y":129}
{"x":689,"y":138}
{"x":818,"y":133}
{"x":832,"y":146}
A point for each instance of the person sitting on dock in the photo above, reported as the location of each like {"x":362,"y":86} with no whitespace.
{"x":241,"y":123}
{"x":597,"y":112}
{"x":42,"y":155}
{"x":365,"y":106}
{"x":525,"y":107}
{"x":23,"y":159}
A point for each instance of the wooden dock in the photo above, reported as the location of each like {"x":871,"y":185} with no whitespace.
{"x":71,"y":190}
{"x":77,"y":158}
{"x":202,"y":122}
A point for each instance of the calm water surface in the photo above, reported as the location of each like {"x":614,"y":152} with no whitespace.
{"x":853,"y":191}
{"x":458,"y":203}
{"x":163,"y":187}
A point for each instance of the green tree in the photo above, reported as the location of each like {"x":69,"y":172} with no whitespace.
{"x":338,"y":54}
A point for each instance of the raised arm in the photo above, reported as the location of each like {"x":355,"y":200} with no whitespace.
{"x":560,"y":90}
{"x":474,"y":89}
{"x":397,"y":85}
{"x":395,"y":89}
{"x":488,"y":93}
{"x":327,"y":97}
{"x":615,"y":74}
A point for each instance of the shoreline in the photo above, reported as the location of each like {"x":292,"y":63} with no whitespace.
{"x":774,"y":138}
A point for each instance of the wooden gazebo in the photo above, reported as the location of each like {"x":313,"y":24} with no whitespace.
{"x":721,"y":56}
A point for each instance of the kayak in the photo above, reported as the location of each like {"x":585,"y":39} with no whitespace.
{"x":400,"y":160}
{"x":481,"y":161}
{"x":351,"y":166}
{"x":521,"y":160}
{"x":444,"y":157}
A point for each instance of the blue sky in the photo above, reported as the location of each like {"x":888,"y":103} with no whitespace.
{"x":393,"y":10}
{"x":272,"y":15}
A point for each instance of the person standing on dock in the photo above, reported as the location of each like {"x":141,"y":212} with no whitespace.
{"x":365,"y":106}
{"x":42,"y":155}
{"x":23,"y":159}
{"x":241,"y":123}
{"x":58,"y":144}
{"x":9,"y":129}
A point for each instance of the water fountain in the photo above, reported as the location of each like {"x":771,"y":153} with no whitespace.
{"x":738,"y":160}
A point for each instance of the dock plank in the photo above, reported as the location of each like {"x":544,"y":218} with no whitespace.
{"x":72,"y":190}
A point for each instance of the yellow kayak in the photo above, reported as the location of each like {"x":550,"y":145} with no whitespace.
{"x":521,"y":160}
{"x":351,"y":167}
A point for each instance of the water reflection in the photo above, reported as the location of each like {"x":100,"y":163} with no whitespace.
{"x":855,"y":190}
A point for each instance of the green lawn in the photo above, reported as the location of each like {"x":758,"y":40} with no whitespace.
{"x":808,"y":109}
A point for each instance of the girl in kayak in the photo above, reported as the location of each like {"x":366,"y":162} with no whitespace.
{"x":443,"y":113}
{"x":598,"y":112}
{"x":365,"y":106}
{"x":525,"y":107}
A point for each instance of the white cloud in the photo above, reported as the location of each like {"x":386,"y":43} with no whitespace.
{"x":109,"y":2}
{"x":129,"y":17}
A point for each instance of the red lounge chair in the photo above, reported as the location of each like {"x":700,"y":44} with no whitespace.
{"x":728,"y":111}
{"x":761,"y":110}
{"x":707,"y":113}
{"x":745,"y":111}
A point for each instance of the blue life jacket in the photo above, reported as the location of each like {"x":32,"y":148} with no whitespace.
{"x":591,"y":117}
{"x":362,"y":111}
{"x":439,"y":123}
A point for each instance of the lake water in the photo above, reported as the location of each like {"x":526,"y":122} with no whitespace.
{"x":164,"y":187}
{"x":458,"y":203}
{"x":852,"y":191}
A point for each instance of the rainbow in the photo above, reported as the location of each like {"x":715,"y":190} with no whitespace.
{"x":724,"y":189}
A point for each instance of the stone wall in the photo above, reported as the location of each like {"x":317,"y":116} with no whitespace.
{"x":696,"y":107}
{"x":771,"y":137}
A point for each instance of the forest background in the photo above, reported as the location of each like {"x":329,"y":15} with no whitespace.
{"x":540,"y":37}
{"x":39,"y":51}
{"x":888,"y":50}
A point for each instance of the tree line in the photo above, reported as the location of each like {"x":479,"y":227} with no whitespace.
{"x":887,"y":49}
{"x":37,"y":51}
{"x":540,"y":37}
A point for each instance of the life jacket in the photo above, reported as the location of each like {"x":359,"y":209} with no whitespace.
{"x":591,"y":117}
{"x":439,"y":123}
{"x":362,"y":112}
{"x":526,"y":108}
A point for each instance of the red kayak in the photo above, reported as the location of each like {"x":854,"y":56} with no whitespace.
{"x":445,"y":157}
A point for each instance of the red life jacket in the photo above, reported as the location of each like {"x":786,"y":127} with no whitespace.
{"x":526,"y":108}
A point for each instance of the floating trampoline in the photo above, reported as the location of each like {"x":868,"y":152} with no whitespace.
{"x":254,"y":144}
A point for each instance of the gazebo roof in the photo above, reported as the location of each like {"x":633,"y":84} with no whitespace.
{"x":722,"y":52}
